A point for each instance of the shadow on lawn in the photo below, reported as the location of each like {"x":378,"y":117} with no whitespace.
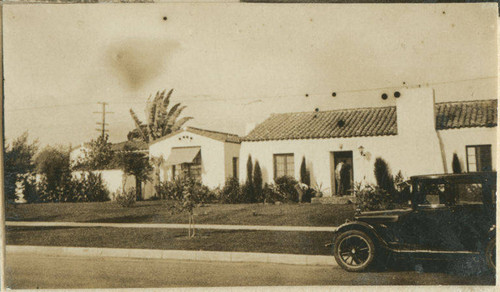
{"x":32,"y":219}
{"x":149,"y":218}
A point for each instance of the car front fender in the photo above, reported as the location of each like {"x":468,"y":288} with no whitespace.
{"x":361,"y":226}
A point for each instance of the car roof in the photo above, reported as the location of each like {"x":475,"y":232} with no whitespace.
{"x":457,"y":177}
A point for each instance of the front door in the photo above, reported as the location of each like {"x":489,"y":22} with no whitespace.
{"x":342,"y":173}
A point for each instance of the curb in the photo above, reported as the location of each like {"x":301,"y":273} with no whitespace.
{"x":173,"y":226}
{"x":220,"y":256}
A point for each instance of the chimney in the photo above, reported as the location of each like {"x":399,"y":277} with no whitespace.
{"x":420,"y":147}
{"x":249,"y":127}
{"x":415,"y":112}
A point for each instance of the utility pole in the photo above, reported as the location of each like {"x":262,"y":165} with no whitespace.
{"x":103,"y":123}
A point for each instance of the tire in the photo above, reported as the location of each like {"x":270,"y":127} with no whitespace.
{"x":490,"y":254}
{"x":354,"y":251}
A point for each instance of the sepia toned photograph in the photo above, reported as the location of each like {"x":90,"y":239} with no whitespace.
{"x":230,"y":145}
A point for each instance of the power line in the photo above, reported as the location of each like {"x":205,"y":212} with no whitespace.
{"x":103,"y":123}
{"x":254,"y":99}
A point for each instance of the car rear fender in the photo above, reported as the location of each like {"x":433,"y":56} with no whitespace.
{"x":364,"y":227}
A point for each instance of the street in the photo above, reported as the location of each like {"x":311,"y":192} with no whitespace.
{"x":31,"y":271}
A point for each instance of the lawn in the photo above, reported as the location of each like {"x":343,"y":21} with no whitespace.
{"x":157,"y":212}
{"x":153,"y":238}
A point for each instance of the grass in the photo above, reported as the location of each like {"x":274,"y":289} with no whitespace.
{"x":151,"y":238}
{"x":157,"y":212}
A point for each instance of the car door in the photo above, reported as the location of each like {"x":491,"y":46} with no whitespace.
{"x":431,"y":225}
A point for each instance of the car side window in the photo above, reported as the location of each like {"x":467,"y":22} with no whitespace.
{"x":434,"y":194}
{"x":470,"y":193}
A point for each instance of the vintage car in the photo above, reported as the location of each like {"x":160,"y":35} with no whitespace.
{"x":448,"y":215}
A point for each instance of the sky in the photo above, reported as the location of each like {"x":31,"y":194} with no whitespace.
{"x":233,"y":64}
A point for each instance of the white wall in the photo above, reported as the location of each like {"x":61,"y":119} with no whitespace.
{"x":113,"y":179}
{"x":455,"y":140}
{"x":318,"y":155}
{"x":212,"y":155}
{"x":230,"y":150}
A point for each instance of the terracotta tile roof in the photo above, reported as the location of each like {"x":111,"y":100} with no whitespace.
{"x":466,"y":114}
{"x":219,"y":136}
{"x":366,"y":122}
{"x":328,"y":124}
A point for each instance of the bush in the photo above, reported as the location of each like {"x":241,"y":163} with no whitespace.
{"x":174,"y":190}
{"x":383,"y":176}
{"x":257,"y":183}
{"x":170,"y":190}
{"x":457,"y":168}
{"x":126,"y":199}
{"x":231,"y":192}
{"x":371,"y":198}
{"x":272,"y":194}
{"x":88,"y":188}
{"x":286,"y":186}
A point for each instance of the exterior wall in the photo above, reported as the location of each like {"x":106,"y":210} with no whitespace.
{"x":212,"y":156}
{"x":416,"y":149}
{"x":231,"y":150}
{"x":456,"y":140}
{"x":113,"y":178}
{"x":318,"y":154}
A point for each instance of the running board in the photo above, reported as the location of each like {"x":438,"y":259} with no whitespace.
{"x":433,"y":251}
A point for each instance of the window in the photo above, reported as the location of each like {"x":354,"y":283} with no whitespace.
{"x":235,"y":167}
{"x":192,"y":170}
{"x":283,"y":165}
{"x":478,"y":158}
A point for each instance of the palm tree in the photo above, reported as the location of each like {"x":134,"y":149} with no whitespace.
{"x":160,"y":120}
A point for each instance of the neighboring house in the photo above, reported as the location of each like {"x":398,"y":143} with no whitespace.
{"x":114,"y":178}
{"x":416,"y":136}
{"x":207,"y":156}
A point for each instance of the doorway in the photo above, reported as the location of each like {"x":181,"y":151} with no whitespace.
{"x":342,"y":173}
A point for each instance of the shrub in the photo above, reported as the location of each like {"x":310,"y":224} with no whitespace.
{"x":286,"y":186}
{"x":382,"y":175}
{"x":272,"y":194}
{"x":248,"y":189}
{"x":126,"y":199}
{"x":371,"y":198}
{"x":257,"y":182}
{"x":171,"y":190}
{"x":231,"y":192}
{"x":457,"y":168}
{"x":305,"y":177}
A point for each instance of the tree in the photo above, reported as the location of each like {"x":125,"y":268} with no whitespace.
{"x":160,"y":120}
{"x":383,"y":176}
{"x":457,"y":168}
{"x":135,"y":163}
{"x":248,"y":188}
{"x":18,"y":160}
{"x":54,"y":164}
{"x":99,"y":155}
{"x":304,"y":174}
{"x":257,"y":182}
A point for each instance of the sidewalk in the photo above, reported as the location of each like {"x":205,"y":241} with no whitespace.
{"x":172,"y":226}
{"x":292,"y":259}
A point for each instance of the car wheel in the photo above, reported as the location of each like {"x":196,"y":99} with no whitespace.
{"x":354,"y":250}
{"x":491,"y":253}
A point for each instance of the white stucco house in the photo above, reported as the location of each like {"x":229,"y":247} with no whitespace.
{"x":114,"y":179}
{"x":417,"y":136}
{"x":207,"y":156}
